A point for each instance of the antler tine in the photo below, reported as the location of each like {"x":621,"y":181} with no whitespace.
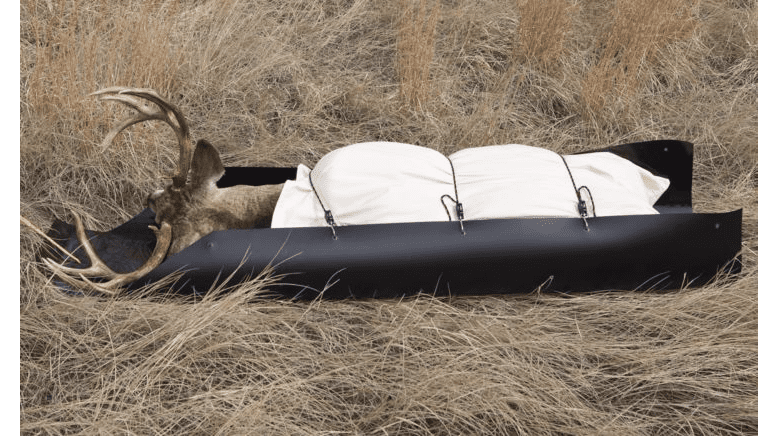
{"x":168,"y":113}
{"x":178,"y":122}
{"x":110,"y":90}
{"x":98,"y":268}
{"x":144,"y":114}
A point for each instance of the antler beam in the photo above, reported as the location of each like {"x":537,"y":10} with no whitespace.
{"x":98,"y":268}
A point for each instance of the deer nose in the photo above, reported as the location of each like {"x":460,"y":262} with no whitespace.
{"x":149,"y":201}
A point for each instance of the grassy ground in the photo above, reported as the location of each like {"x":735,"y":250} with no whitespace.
{"x":282,"y":83}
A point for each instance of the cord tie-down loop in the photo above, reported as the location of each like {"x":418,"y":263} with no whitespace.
{"x":330,"y":220}
{"x":582,"y":207}
{"x":459,"y":211}
{"x":459,"y":206}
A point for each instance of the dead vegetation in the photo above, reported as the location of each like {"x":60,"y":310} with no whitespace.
{"x":282,"y":83}
{"x":416,"y":32}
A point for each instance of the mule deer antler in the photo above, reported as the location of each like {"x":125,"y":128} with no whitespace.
{"x":167,"y":112}
{"x":171,"y":115}
{"x":98,"y":268}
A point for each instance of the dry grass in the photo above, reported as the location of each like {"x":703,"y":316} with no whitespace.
{"x":285,"y":82}
{"x":627,"y":49}
{"x":543,"y":29}
{"x":417,"y":28}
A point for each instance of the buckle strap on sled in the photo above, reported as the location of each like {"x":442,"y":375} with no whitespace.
{"x":330,"y":220}
{"x":459,"y":206}
{"x":582,"y":208}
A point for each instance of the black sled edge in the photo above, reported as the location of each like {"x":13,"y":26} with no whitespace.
{"x":667,"y":251}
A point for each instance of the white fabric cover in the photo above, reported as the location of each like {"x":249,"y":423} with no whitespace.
{"x":385,"y":182}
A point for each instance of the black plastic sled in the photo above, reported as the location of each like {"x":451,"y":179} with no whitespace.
{"x":673,"y":249}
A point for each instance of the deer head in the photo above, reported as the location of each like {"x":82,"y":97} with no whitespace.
{"x":190,"y":207}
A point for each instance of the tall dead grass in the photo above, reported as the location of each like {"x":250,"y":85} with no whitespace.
{"x":627,"y":48}
{"x":543,"y":29}
{"x":542,"y":33}
{"x":78,"y":47}
{"x":416,"y":33}
{"x":283,"y":83}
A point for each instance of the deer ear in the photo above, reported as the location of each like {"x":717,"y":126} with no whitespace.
{"x":206,"y":165}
